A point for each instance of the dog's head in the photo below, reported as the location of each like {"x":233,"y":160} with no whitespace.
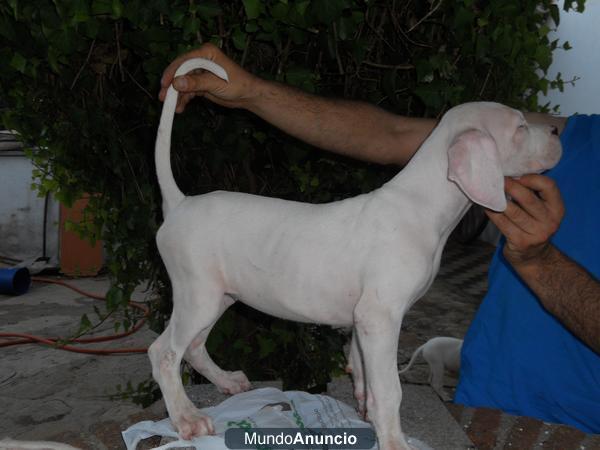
{"x":489,"y":141}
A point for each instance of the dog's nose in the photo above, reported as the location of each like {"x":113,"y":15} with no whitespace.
{"x":554,"y":130}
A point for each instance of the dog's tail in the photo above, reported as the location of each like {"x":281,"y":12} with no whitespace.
{"x":416,"y":353}
{"x":171,"y":193}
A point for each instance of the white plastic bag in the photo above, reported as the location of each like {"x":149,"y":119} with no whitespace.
{"x":259,"y":408}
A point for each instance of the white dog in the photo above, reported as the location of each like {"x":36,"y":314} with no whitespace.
{"x":442,"y":354}
{"x":359,"y":262}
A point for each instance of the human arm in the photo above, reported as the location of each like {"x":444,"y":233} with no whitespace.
{"x":546,"y":119}
{"x":349,"y":128}
{"x":566,"y":289}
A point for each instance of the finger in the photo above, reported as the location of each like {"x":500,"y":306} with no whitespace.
{"x":205,"y":81}
{"x":544,"y":185}
{"x":507,"y":227}
{"x":207,"y":51}
{"x":182,"y":102}
{"x":521,"y":218}
{"x":180,"y":84}
{"x":163,"y":94}
{"x":548,"y":191}
{"x":526,"y":198}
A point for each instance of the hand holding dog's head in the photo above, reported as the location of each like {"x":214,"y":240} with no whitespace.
{"x":498,"y":143}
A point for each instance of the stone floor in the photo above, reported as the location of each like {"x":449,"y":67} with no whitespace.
{"x":43,"y":391}
{"x":50,"y":394}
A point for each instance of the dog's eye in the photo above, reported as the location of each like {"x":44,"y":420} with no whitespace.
{"x":523,"y":126}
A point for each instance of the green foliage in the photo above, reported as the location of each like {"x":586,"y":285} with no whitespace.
{"x":144,"y":394}
{"x":300,"y":355}
{"x":80,"y":79}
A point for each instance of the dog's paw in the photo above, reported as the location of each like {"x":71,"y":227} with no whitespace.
{"x":361,"y":400}
{"x":234,"y":383}
{"x":192,"y":423}
{"x":361,"y":407}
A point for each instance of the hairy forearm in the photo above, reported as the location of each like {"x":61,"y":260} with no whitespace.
{"x":567,"y":291}
{"x":349,"y":128}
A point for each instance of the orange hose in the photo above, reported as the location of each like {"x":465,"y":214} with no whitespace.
{"x":22,"y":338}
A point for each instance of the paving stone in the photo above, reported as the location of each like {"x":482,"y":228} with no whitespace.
{"x":563,"y":438}
{"x":109,"y":433}
{"x":46,"y":411}
{"x":484,"y":427}
{"x":591,"y":442}
{"x":524,"y":433}
{"x":78,"y":440}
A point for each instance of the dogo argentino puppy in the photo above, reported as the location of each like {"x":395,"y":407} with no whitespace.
{"x":442,"y":354}
{"x":358,"y":262}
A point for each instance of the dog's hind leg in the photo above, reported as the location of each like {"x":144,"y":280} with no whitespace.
{"x":196,"y":354}
{"x":187,"y":320}
{"x":436,"y":378}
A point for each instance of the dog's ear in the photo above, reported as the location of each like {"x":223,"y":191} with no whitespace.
{"x":474,"y":164}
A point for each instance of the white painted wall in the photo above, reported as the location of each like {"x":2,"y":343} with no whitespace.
{"x":22,"y":212}
{"x":582,"y":30}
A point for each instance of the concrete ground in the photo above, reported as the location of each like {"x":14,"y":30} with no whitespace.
{"x":44,"y":391}
{"x":54,"y":395}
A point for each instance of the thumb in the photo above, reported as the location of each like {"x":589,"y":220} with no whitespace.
{"x":205,"y":82}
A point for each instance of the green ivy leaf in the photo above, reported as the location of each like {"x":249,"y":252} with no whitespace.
{"x":330,"y":10}
{"x":18,"y":62}
{"x":266,"y":346}
{"x":177,"y":17}
{"x":279,"y":11}
{"x":430,"y":95}
{"x":114,"y":298}
{"x":80,"y":11}
{"x":84,"y":324}
{"x":101,"y":7}
{"x":252,"y":26}
{"x":190,"y":28}
{"x":239,"y":38}
{"x":424,"y":71}
{"x":544,"y":57}
{"x":209,"y":9}
{"x":253,"y":8}
{"x":554,"y":13}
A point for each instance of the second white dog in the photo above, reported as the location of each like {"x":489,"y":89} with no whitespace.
{"x":442,"y":354}
{"x":359,"y":262}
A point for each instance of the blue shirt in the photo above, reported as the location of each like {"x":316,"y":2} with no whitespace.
{"x":518,"y":357}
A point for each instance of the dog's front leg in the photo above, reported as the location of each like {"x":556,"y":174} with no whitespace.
{"x":378,"y":329}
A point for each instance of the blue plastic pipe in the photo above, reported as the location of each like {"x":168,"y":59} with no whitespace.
{"x":14,"y":281}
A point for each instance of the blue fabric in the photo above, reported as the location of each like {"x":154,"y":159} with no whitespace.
{"x":516,"y":356}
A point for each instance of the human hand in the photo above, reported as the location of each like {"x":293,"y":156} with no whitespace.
{"x":532,"y":216}
{"x":233,"y":94}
